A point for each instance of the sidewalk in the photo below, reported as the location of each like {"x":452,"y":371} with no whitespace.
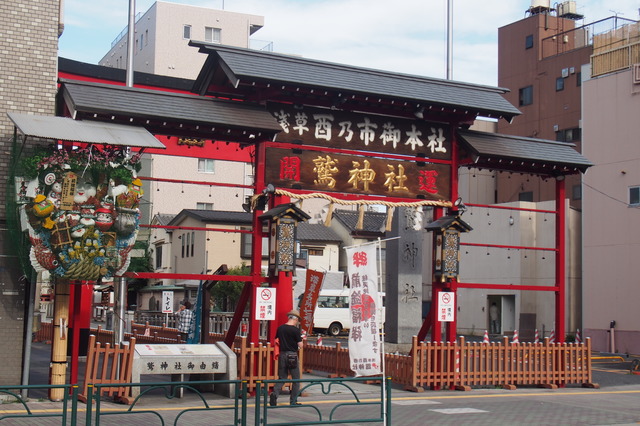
{"x":612,"y":375}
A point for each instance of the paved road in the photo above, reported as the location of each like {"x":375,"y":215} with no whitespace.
{"x":616,"y":402}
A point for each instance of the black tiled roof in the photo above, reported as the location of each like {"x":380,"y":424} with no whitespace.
{"x":247,"y":66}
{"x":214,"y":216}
{"x":316,"y":232}
{"x":157,"y":105}
{"x":70,"y":66}
{"x":373,"y":221}
{"x":164,"y":219}
{"x":521,"y":154}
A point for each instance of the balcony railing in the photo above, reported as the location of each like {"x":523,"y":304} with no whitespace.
{"x":615,"y":42}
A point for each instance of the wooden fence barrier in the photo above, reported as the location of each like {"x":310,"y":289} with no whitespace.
{"x":434,"y":365}
{"x":108,"y":364}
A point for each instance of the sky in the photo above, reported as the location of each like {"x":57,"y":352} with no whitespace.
{"x":407,"y":36}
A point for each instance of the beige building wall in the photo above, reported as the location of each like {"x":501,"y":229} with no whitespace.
{"x":161,"y":47}
{"x":207,"y":254}
{"x":172,"y":198}
{"x":611,"y":108}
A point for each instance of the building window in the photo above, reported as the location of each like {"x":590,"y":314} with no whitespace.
{"x":204,"y":206}
{"x":569,"y":135}
{"x":183,"y":239}
{"x":188,"y":244}
{"x":193,"y":242}
{"x":158,"y":256}
{"x":578,"y":79}
{"x":141,"y":41}
{"x":206,"y":165}
{"x":559,"y":84}
{"x":634,"y":196}
{"x":186,"y":32}
{"x":576,"y":192}
{"x":212,"y":35}
{"x":246,"y":243}
{"x":526,"y":196}
{"x":528,"y":41}
{"x":315,"y":252}
{"x":146,"y":37}
{"x":525,"y":96}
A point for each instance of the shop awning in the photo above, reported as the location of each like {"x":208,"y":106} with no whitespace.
{"x":67,"y":129}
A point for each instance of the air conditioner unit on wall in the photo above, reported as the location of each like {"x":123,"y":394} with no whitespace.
{"x":635,"y":73}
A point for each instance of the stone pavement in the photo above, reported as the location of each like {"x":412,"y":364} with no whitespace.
{"x":616,"y":402}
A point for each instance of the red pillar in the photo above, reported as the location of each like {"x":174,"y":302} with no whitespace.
{"x":452,"y":327}
{"x":80,"y":302}
{"x":283,"y":284}
{"x":436,"y":287}
{"x":560,"y":259}
{"x":256,"y":247}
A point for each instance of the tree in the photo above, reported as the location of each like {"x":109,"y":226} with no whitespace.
{"x":225,"y":294}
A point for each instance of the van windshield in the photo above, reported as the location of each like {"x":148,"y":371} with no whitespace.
{"x":333,"y":302}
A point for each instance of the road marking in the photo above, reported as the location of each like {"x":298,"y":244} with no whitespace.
{"x":458,"y":410}
{"x":416,"y":402}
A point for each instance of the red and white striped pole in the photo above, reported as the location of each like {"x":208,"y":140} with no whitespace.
{"x":485,"y":339}
{"x":537,"y":337}
{"x":578,"y":338}
{"x":515,"y":337}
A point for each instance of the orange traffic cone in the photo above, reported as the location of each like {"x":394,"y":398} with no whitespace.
{"x":485,"y":339}
{"x":578,"y":338}
{"x":515,"y":337}
{"x":536,"y":337}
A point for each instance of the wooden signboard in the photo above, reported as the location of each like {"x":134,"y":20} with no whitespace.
{"x":366,"y":132}
{"x":319,"y":171}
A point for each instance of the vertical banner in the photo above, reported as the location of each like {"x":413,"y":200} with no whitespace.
{"x":309,"y":299}
{"x":364,"y":337}
{"x":196,"y":323}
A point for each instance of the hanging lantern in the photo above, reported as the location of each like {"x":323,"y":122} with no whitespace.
{"x":447,"y":232}
{"x":282,"y":222}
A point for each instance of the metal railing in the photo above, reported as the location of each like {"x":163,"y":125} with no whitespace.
{"x":156,"y":404}
{"x":354,"y":410}
{"x":68,"y":410}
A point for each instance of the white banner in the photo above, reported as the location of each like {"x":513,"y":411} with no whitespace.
{"x":364,"y":337}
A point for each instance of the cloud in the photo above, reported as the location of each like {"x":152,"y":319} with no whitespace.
{"x":406,"y":36}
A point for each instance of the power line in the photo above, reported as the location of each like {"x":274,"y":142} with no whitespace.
{"x":609,"y":196}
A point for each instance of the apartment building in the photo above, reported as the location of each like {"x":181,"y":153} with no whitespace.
{"x":162,"y":34}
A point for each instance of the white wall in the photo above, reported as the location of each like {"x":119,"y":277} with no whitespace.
{"x":508,"y":266}
{"x":172,"y":198}
{"x":166,"y":52}
{"x":611,"y":237}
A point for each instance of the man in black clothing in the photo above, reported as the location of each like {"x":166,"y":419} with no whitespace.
{"x":290,"y":339}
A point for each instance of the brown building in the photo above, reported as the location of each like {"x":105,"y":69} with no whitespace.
{"x":539,"y":61}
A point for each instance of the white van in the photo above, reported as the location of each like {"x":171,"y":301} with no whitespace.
{"x":332,"y":311}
